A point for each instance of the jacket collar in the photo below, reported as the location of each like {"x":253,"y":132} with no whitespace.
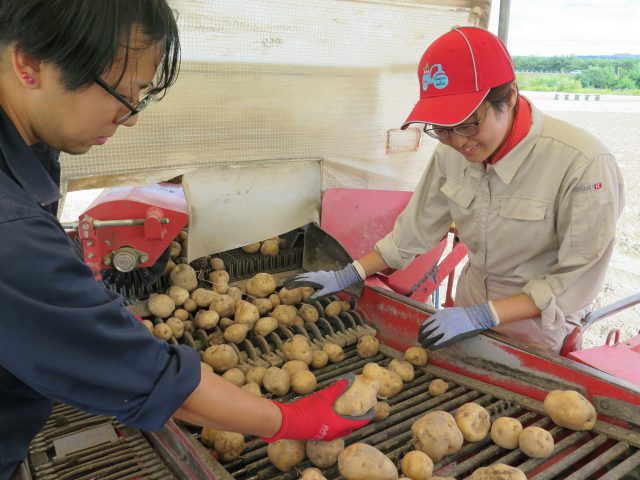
{"x":508,"y":166}
{"x":29,"y":166}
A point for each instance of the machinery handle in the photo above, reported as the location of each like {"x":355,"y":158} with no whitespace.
{"x":611,"y":309}
{"x":112,"y":223}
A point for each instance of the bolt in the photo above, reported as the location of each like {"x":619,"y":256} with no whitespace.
{"x":143,"y":258}
{"x":89,"y":243}
{"x":85,"y":226}
{"x":90,"y":255}
{"x":605,"y":404}
{"x":107,"y":261}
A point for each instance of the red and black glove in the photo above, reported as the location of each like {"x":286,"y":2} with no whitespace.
{"x":313,"y":417}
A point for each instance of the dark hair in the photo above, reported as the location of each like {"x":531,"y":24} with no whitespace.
{"x":83,"y":37}
{"x":499,"y":96}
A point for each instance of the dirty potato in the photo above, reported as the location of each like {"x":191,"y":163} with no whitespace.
{"x":364,"y":462}
{"x":161,"y":305}
{"x":536,"y":442}
{"x":416,"y":356}
{"x":473,"y":421}
{"x":402,"y":368}
{"x":438,"y":387}
{"x":286,"y":454}
{"x":505,"y":432}
{"x":324,"y":454}
{"x":498,"y":471}
{"x":417,"y":465}
{"x":261,"y":285}
{"x":276,"y":381}
{"x":368,"y":346}
{"x":303,"y":382}
{"x":437,"y":435}
{"x":569,"y":409}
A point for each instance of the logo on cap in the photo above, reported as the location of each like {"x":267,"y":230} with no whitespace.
{"x":435,"y":76}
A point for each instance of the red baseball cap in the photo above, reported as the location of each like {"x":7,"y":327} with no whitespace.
{"x":456,"y":73}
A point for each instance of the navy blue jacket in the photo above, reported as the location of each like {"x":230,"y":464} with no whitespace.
{"x":62,"y":336}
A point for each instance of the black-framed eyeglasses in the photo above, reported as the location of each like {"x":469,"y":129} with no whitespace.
{"x":464,"y":129}
{"x":134,"y":109}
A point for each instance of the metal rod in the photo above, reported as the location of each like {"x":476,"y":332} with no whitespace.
{"x":570,"y":460}
{"x":625,"y":467}
{"x":600,"y":461}
{"x":503,"y":21}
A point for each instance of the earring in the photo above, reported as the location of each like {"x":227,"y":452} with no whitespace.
{"x":27,"y":78}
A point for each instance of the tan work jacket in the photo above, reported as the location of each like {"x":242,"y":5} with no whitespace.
{"x":540,"y":221}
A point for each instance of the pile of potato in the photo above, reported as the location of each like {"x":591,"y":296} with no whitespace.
{"x":270,"y":247}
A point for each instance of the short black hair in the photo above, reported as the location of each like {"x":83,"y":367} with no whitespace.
{"x":499,"y":96}
{"x":83,"y":37}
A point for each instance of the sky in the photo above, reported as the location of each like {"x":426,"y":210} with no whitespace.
{"x":571,"y":27}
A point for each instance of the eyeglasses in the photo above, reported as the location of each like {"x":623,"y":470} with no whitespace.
{"x":464,"y":129}
{"x":134,"y":109}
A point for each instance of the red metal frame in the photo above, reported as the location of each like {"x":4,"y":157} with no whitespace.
{"x":397,"y":321}
{"x":151,"y":204}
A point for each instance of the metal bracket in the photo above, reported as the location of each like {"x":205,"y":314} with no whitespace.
{"x":91,"y":437}
{"x":617,"y":409}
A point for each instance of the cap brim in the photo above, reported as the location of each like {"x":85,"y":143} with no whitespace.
{"x":446,"y":110}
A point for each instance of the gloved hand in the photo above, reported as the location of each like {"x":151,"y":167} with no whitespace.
{"x":327,"y":281}
{"x":313,"y":418}
{"x":453,"y":324}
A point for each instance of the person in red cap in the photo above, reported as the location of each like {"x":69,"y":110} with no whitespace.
{"x":534,"y":199}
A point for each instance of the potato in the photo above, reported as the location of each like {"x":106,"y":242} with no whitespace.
{"x":334,"y":352}
{"x":252,"y":388}
{"x":438,"y":387}
{"x":290,"y":297}
{"x":307,"y":292}
{"x":498,"y":471}
{"x":149,"y":325}
{"x":251,"y":248}
{"x":334,"y":308}
{"x":220,"y":287}
{"x":402,"y":368}
{"x":382,"y":411}
{"x":298,"y":348}
{"x":416,"y":356}
{"x":203,"y":297}
{"x":284,"y":314}
{"x":360,"y":397}
{"x":303,"y":382}
{"x":220,"y":357}
{"x":184,"y":276}
{"x":437,"y":435}
{"x":161,"y":305}
{"x":236,"y":333}
{"x":569,"y":409}
{"x":207,"y":319}
{"x":218,"y":276}
{"x":190,"y":305}
{"x":536,"y":442}
{"x":170,"y":266}
{"x":473,"y":421}
{"x":162,"y":331}
{"x":368,"y":346}
{"x":417,"y":465}
{"x":320,"y":359}
{"x":216,"y":263}
{"x":265,"y":325}
{"x":324,"y":454}
{"x":176,"y":248}
{"x":261,"y":285}
{"x":263,"y":305}
{"x":246,"y":313}
{"x":235,"y":293}
{"x":178,"y":294}
{"x":183,"y":235}
{"x":176,"y":326}
{"x":293,"y":366}
{"x":286,"y":454}
{"x":390,"y":384}
{"x":235,"y":376}
{"x":505,"y":432}
{"x":364,"y":462}
{"x":181,"y":313}
{"x":308,"y":313}
{"x":312,"y":474}
{"x":276,"y":381}
{"x":206,"y":367}
{"x":270,"y":247}
{"x":224,"y":305}
{"x":229,"y":445}
{"x":225,"y":323}
{"x":255,"y":375}
{"x":274,"y":299}
{"x":208,"y":436}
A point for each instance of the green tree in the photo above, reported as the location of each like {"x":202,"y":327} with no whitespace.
{"x":598,"y":77}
